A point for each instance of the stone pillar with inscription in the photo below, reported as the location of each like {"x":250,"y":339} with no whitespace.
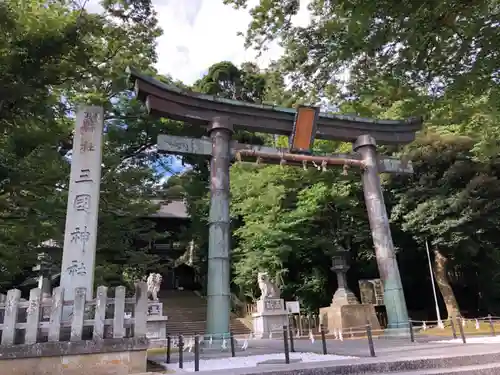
{"x":80,"y":234}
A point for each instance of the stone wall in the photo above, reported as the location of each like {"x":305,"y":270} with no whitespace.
{"x":104,"y":357}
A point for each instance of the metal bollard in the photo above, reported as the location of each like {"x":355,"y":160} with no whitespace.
{"x":492,"y":326}
{"x":323,"y":339}
{"x":196,"y":353}
{"x":292,"y":344}
{"x":231,"y":338}
{"x":285,"y":342}
{"x":412,"y":334}
{"x":181,"y":352}
{"x":453,"y":330}
{"x":461,"y":328}
{"x":169,"y":348}
{"x":370,"y":339}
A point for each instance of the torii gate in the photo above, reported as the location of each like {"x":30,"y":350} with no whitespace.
{"x":222,"y":116}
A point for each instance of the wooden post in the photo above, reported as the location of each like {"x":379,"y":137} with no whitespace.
{"x":141,"y":309}
{"x":10,"y":318}
{"x":33,"y":317}
{"x":118,"y":320}
{"x":55,"y":314}
{"x":100,"y":312}
{"x":78,"y":314}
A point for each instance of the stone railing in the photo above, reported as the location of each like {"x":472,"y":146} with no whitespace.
{"x":106,"y":335}
{"x":42,"y":319}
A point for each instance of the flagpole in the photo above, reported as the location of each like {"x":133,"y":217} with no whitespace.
{"x":438,"y":314}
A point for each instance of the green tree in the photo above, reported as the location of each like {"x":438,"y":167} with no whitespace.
{"x":429,"y":43}
{"x":451,"y":201}
{"x":38,"y":46}
{"x":291,"y":223}
{"x":56,"y":56}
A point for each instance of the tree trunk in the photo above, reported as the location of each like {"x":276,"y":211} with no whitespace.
{"x":441,"y":273}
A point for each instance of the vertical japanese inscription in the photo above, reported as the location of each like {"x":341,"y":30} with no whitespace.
{"x":83,"y":203}
{"x":87,"y":130}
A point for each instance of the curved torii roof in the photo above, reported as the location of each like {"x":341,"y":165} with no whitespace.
{"x":172,"y":102}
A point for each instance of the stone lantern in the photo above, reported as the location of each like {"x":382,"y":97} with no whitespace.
{"x":345,"y":312}
{"x":340,"y":265}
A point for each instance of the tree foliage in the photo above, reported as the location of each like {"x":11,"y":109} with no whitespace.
{"x":278,"y":213}
{"x":429,"y":43}
{"x":55,"y":57}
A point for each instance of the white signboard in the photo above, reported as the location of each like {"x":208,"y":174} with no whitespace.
{"x":293,"y":307}
{"x":83,"y":203}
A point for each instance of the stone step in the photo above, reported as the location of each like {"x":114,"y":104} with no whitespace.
{"x":187,"y":314}
{"x":198,"y":327}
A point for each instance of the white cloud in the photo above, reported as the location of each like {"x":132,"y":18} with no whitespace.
{"x":199,"y":33}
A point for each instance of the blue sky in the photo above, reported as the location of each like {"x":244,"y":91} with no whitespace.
{"x":175,"y":166}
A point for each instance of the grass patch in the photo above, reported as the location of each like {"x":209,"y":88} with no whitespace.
{"x":469,"y":328}
{"x":160,"y":351}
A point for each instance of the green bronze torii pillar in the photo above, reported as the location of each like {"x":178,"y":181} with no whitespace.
{"x":221,"y":117}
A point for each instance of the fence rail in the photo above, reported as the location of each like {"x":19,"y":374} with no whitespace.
{"x":44,"y":319}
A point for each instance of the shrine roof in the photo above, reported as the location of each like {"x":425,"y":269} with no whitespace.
{"x":175,"y":209}
{"x":165,"y":100}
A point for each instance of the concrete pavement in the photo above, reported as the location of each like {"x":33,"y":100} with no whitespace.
{"x":391,"y":356}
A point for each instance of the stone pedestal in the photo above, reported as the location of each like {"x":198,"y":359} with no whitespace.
{"x":344,"y":317}
{"x":270,"y":318}
{"x":345,"y":311}
{"x":157,"y":327}
{"x":157,"y":322}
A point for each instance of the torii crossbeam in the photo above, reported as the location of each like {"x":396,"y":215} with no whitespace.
{"x":221,"y":117}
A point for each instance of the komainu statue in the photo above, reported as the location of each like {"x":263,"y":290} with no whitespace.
{"x":154,"y":281}
{"x":268,"y":289}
